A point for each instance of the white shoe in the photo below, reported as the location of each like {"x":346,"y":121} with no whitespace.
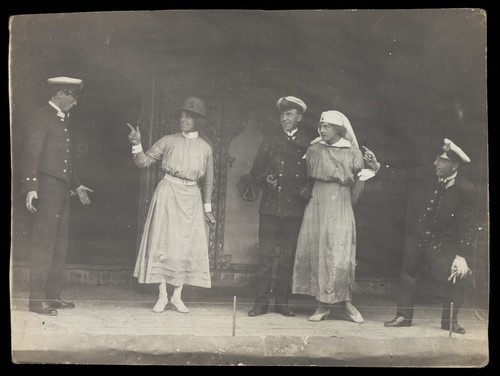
{"x":179,"y":305}
{"x":160,"y":304}
{"x":321,"y":313}
{"x":353,"y":313}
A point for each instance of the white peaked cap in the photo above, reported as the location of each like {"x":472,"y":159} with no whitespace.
{"x":449,"y":145}
{"x":291,"y":101}
{"x":71,"y":83}
{"x":338,"y":118}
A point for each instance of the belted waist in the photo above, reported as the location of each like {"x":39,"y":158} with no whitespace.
{"x":345,"y":183}
{"x":177,"y":180}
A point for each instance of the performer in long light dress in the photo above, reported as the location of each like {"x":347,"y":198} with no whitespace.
{"x":173,"y":248}
{"x":326,"y":251}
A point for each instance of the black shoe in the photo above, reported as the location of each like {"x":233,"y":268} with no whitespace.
{"x":455,"y":328}
{"x":42,"y":308}
{"x":258,"y":309}
{"x":283,"y":309}
{"x":398,"y":321}
{"x":58,"y":303}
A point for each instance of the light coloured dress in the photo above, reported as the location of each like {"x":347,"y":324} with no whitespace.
{"x":326,"y":250}
{"x":174,"y":247}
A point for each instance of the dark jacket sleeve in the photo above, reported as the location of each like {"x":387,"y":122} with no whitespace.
{"x":466,"y":222}
{"x":259,"y":167}
{"x":75,"y":180}
{"x":35,"y":137}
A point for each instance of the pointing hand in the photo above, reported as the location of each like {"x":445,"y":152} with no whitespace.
{"x":134,"y":135}
{"x":370,"y":159}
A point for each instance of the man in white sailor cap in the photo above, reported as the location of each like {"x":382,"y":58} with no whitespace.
{"x":279,"y":169}
{"x":442,"y":233}
{"x":48,"y":179}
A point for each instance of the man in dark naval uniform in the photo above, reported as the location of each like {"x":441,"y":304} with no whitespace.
{"x":48,"y":179}
{"x":279,"y":169}
{"x":442,"y":234}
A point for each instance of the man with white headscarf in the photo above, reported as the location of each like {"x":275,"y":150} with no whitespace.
{"x":326,"y":250}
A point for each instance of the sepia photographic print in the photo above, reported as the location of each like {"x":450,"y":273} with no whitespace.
{"x":250,"y":187}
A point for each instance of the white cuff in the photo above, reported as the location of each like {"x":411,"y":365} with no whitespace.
{"x":366,"y":174}
{"x":136,"y":149}
{"x":208,"y":207}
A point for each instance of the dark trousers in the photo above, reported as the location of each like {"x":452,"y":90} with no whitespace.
{"x":434,"y":264}
{"x":49,"y":238}
{"x":275,"y":232}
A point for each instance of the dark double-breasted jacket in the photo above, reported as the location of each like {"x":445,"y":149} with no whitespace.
{"x":284,"y":159}
{"x":445,"y":217}
{"x":48,"y":149}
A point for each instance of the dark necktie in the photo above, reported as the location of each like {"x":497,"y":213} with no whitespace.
{"x":441,"y":187}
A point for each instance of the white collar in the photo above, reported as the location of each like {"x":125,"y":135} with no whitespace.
{"x":190,"y":134}
{"x":449,"y":181}
{"x":291,"y":133}
{"x":342,"y":143}
{"x":60,"y":112}
{"x":449,"y":178}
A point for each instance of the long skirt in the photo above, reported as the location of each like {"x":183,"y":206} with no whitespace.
{"x":326,"y":250}
{"x":174,"y":246}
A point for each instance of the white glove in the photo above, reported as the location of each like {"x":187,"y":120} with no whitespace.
{"x":366,"y":174}
{"x":459,"y":268}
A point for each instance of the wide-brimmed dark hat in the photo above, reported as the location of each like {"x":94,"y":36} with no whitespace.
{"x":194,"y":105}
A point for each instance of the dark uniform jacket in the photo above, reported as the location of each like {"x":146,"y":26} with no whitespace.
{"x":48,"y":150}
{"x":445,"y":217}
{"x":285,"y":160}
